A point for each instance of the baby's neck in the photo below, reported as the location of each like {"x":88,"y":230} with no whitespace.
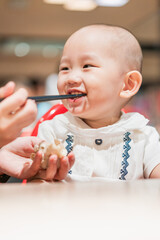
{"x":101,"y":122}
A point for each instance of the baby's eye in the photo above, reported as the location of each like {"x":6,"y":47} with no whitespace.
{"x":64,"y":69}
{"x":88,"y":66}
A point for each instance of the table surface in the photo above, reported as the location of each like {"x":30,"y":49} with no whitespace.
{"x":80,"y":210}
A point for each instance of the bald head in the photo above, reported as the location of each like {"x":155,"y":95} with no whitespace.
{"x":120,"y":44}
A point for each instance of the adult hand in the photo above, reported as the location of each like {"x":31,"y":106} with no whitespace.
{"x":7,"y":90}
{"x":16,"y":112}
{"x":15,"y":158}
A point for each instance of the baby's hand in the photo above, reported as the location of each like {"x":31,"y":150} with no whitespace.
{"x":55,"y":162}
{"x":48,"y":149}
{"x":57,"y":167}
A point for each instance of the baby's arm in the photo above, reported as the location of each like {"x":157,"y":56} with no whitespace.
{"x":155,"y":172}
{"x":151,"y":162}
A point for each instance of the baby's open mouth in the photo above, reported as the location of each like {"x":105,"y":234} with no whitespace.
{"x":76,"y":94}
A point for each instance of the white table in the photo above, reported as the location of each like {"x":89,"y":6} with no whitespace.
{"x":81,"y":210}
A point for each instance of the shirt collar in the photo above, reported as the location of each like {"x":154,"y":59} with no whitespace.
{"x":127,"y":122}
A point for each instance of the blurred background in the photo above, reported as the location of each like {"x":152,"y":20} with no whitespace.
{"x":33,"y":32}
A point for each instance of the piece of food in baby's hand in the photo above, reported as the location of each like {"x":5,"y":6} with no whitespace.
{"x":47,"y":150}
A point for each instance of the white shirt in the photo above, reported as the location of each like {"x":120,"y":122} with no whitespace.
{"x":128,"y":149}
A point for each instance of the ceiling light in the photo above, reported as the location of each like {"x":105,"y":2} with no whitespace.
{"x":111,"y":3}
{"x":55,"y":1}
{"x":80,"y":5}
{"x":22,"y":49}
{"x":18,"y":4}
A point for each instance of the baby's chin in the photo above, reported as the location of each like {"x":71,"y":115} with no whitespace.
{"x":76,"y":112}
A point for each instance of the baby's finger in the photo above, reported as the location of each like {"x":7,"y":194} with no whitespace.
{"x":63,"y":170}
{"x":52,"y":168}
{"x":48,"y":174}
{"x":36,"y":164}
{"x":71,"y":159}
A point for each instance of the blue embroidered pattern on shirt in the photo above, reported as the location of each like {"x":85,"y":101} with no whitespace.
{"x":69,"y":142}
{"x":125,"y":156}
{"x":70,"y":172}
{"x":69,"y":146}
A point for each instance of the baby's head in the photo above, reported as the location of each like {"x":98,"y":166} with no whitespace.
{"x":105,"y":63}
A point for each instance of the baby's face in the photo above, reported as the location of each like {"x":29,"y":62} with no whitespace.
{"x":87,"y":66}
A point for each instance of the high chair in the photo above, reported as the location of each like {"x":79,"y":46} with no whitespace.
{"x":53,"y":111}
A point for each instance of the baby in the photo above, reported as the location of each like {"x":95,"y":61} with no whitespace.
{"x":104,"y":62}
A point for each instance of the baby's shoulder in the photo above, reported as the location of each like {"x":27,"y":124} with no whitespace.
{"x":150,"y":130}
{"x":151,"y":134}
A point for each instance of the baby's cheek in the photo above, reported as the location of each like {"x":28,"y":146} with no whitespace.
{"x":64,"y":102}
{"x":60,"y":85}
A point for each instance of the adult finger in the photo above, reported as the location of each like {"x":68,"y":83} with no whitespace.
{"x":25,"y":115}
{"x":13,"y":102}
{"x":16,"y":122}
{"x":23,"y":146}
{"x":7,"y":90}
{"x":31,"y":169}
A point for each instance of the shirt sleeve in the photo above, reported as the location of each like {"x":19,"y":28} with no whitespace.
{"x":152,"y":151}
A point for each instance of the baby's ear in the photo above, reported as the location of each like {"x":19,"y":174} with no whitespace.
{"x":132,"y":83}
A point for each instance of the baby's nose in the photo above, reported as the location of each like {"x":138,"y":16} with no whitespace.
{"x":74,"y":78}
